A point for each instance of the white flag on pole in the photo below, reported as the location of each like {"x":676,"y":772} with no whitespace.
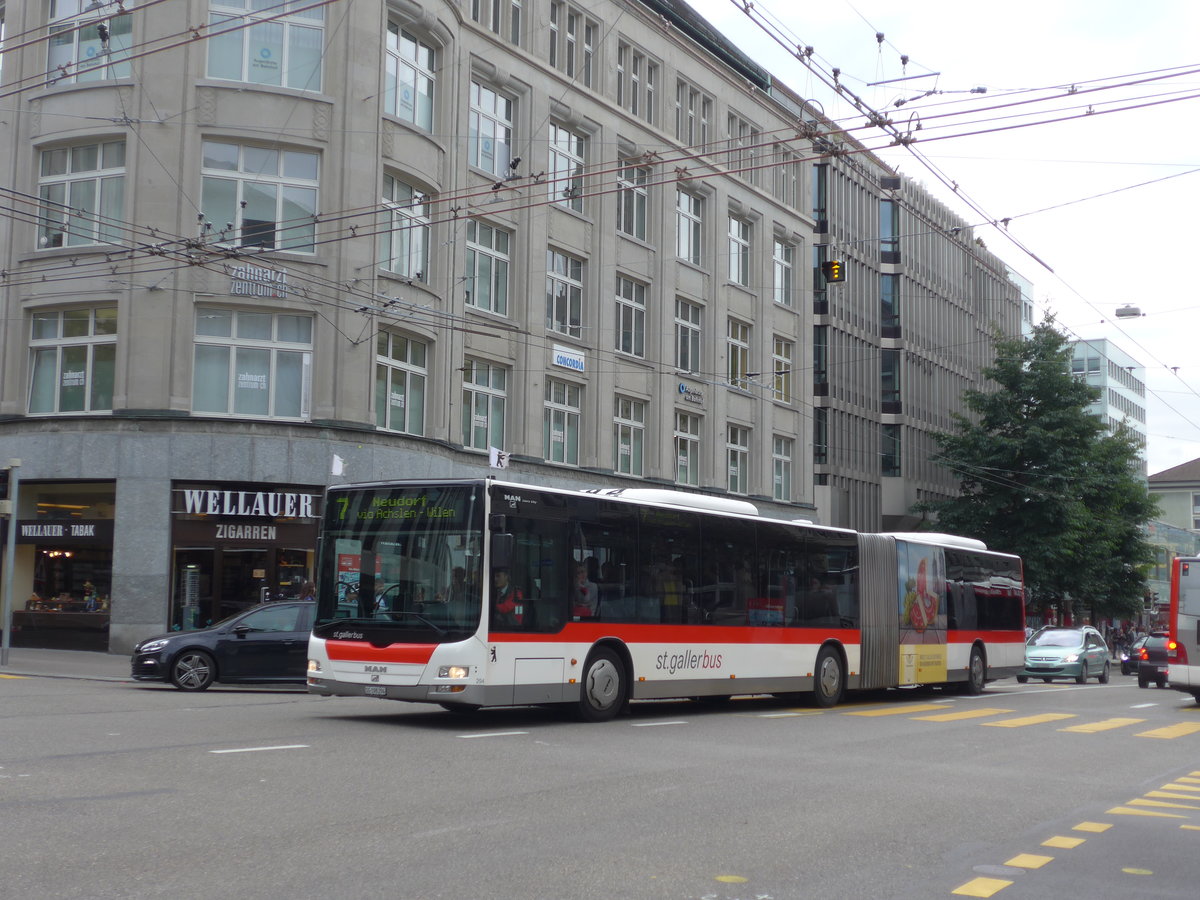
{"x":339,"y":465}
{"x":497,"y":458}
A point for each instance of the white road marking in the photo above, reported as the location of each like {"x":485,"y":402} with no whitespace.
{"x":257,"y":749}
{"x":492,"y":734}
{"x":655,"y":724}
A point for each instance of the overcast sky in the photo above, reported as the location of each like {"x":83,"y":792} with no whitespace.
{"x":1135,"y":246}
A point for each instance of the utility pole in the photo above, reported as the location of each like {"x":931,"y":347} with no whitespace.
{"x":9,"y":481}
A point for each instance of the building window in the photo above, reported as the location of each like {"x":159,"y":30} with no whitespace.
{"x":400,"y":372}
{"x":410,"y":78}
{"x":687,"y":449}
{"x":566,"y":167}
{"x":889,"y":230}
{"x":743,"y":148}
{"x":1196,"y":512}
{"x":787,"y":179}
{"x":73,"y":359}
{"x":631,"y":317}
{"x":637,"y":82}
{"x":737,"y":346}
{"x":889,"y":301}
{"x":560,"y":422}
{"x":782,"y":259}
{"x":484,"y":399}
{"x":629,"y":435}
{"x":890,"y":379}
{"x":737,"y":456}
{"x":890,"y":449}
{"x":564,"y":294}
{"x":82,"y":194}
{"x":820,"y":288}
{"x":284,"y":51}
{"x":687,"y":336}
{"x":490,"y":130}
{"x":255,"y":364}
{"x":572,"y":41}
{"x":821,"y":197}
{"x":820,"y":435}
{"x":782,"y":358}
{"x":739,"y":251}
{"x":259,"y":196}
{"x":820,"y":355}
{"x":404,"y":240}
{"x":487,"y":267}
{"x":503,"y":17}
{"x":689,"y":221}
{"x":781,"y":459}
{"x":693,"y":112}
{"x":631,"y":200}
{"x":89,"y":41}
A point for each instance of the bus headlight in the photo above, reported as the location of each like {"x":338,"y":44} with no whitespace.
{"x":454,"y":671}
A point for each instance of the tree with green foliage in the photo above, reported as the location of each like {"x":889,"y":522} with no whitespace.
{"x":1041,"y":477}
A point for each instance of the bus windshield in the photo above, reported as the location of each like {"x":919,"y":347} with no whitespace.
{"x":404,"y":559}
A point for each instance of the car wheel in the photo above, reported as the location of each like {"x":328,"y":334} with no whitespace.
{"x":828,"y":684}
{"x":1162,"y":683}
{"x":1047,"y":680}
{"x":193,"y":670}
{"x":976,"y":674}
{"x":1124,"y":669}
{"x":1104,"y":674}
{"x":1022,"y":679}
{"x":1082,"y":677}
{"x":1143,"y":681}
{"x":603,"y":691}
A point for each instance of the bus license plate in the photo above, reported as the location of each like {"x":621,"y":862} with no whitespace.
{"x":375,"y":690}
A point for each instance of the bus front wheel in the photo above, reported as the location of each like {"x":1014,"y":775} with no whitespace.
{"x":604,"y":689}
{"x":829,"y":683}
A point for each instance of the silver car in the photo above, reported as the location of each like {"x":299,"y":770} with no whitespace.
{"x":1078,"y":652}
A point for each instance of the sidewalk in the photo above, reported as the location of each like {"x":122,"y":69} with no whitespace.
{"x":83,"y":664}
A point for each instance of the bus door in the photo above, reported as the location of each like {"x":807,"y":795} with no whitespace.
{"x":1185,"y":622}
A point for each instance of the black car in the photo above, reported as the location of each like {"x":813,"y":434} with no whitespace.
{"x":266,"y":644}
{"x":1131,"y":658}
{"x":1153,"y":661}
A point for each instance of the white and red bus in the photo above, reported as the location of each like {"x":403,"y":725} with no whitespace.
{"x":479,"y":593}
{"x":1183,"y":626}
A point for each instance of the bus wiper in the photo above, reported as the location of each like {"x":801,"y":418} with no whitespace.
{"x":419,"y":617}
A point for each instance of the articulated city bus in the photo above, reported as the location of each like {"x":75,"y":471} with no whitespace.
{"x":480,"y":593}
{"x":1183,"y":626}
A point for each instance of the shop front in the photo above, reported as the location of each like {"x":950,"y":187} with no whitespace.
{"x":62,"y":577}
{"x":237,"y":545}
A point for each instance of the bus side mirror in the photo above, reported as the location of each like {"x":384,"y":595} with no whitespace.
{"x":502,"y":551}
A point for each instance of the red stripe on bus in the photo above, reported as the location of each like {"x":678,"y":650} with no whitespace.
{"x":987,"y":637}
{"x":360,"y":651}
{"x":700,"y":635}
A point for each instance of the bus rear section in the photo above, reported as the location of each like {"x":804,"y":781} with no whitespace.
{"x":1183,"y":645}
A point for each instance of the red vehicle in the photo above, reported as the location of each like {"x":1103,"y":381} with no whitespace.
{"x":1183,"y":644}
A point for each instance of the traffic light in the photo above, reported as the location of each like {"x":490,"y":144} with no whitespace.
{"x":833,"y":270}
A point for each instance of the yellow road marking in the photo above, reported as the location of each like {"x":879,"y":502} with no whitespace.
{"x":1137,"y":871}
{"x":15,"y":677}
{"x":1162,"y":803}
{"x":1172,"y":731}
{"x":1028,"y":861}
{"x":1093,"y":827}
{"x":896,"y":710}
{"x":965,"y":714}
{"x":1190,"y":827}
{"x":1126,"y":811}
{"x":1176,"y":786}
{"x":1189,"y":780}
{"x":1105,"y":725}
{"x":1168,"y":795}
{"x":981,"y":887}
{"x":1063,"y":843}
{"x":1030,"y":720}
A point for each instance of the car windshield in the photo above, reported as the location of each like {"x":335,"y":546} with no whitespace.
{"x":1056,"y":638}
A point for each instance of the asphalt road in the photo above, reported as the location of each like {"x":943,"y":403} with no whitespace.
{"x":139,"y":791}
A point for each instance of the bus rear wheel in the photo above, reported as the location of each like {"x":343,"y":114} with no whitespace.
{"x":829,"y":682}
{"x":603,"y":691}
{"x":976,"y":674}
